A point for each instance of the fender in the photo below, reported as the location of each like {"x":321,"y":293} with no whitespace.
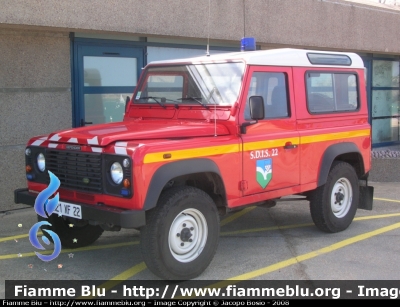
{"x":174,"y":169}
{"x":330,"y":155}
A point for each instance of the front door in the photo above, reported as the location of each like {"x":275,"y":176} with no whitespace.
{"x":270,"y":147}
{"x":105,"y":74}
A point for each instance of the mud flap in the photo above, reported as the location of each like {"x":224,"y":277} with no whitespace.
{"x":366,"y":197}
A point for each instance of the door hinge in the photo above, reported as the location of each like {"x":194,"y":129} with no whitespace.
{"x":243,"y":186}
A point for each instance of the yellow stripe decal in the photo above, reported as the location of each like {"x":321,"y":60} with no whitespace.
{"x":192,"y":153}
{"x":334,"y":136}
{"x":235,"y":148}
{"x":269,"y":143}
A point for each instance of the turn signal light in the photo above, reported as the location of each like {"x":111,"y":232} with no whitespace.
{"x":126,"y":183}
{"x":28,"y":168}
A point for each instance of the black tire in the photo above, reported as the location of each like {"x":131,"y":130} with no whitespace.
{"x":80,"y":235}
{"x":181,"y":214}
{"x":334,"y":204}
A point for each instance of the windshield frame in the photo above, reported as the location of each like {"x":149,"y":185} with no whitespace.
{"x":202,"y":84}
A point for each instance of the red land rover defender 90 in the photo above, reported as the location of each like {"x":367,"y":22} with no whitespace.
{"x":207,"y":135}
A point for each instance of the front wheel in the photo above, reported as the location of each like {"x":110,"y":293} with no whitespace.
{"x":181,"y":234}
{"x":334,"y":205}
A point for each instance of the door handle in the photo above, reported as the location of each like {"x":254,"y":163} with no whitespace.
{"x":289,"y":145}
{"x":83,"y":123}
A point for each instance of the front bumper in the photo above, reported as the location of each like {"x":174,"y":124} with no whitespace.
{"x":99,"y":213}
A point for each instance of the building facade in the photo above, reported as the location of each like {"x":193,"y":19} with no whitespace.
{"x":70,"y":63}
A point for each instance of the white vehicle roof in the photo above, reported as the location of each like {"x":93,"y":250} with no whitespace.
{"x":275,"y":57}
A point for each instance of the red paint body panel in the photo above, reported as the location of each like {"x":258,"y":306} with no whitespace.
{"x":322,"y":124}
{"x":136,"y":130}
{"x":270,"y":136}
{"x":154,"y":136}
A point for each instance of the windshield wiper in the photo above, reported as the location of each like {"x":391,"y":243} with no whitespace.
{"x":196,"y":99}
{"x":155,"y":99}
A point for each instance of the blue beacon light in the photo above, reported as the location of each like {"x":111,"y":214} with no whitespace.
{"x":248,"y":44}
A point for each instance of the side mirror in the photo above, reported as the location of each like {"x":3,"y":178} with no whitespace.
{"x":256,"y":104}
{"x":256,"y":107}
{"x":127,"y":102}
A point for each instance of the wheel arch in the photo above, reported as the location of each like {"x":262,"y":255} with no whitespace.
{"x":346,"y":152}
{"x":192,"y":168}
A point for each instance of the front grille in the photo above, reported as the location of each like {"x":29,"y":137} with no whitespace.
{"x":76,"y":170}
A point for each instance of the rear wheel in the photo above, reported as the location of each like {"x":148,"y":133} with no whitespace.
{"x":181,"y":234}
{"x":334,"y":205}
{"x":73,"y":233}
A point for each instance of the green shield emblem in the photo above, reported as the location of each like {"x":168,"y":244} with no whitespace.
{"x":264,"y":172}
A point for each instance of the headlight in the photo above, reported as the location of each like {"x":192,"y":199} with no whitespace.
{"x":116,"y":173}
{"x":41,"y":162}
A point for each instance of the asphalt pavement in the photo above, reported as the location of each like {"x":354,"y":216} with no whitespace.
{"x":279,"y":243}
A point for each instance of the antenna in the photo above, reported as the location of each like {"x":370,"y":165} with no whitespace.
{"x":208,"y":28}
{"x":215,"y":119}
{"x":244,"y":18}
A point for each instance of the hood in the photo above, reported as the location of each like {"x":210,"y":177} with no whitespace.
{"x":104,"y":134}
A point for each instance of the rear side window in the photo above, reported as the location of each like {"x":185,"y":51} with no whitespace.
{"x":331,"y":92}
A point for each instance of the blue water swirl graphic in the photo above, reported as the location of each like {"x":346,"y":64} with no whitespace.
{"x":42,"y":203}
{"x":44,"y":206}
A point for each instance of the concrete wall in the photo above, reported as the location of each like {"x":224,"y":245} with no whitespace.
{"x":35,"y":98}
{"x":332,"y":24}
{"x":324,"y":24}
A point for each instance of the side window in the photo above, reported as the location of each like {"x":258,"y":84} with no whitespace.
{"x":273,"y":88}
{"x":331,"y":92}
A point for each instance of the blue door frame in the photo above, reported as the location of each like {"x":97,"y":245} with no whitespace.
{"x":370,"y":88}
{"x":101,"y":48}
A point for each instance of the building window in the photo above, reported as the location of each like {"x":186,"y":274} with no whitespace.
{"x":385,"y":102}
{"x":169,"y":53}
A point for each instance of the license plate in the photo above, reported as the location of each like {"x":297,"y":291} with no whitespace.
{"x":67,"y":209}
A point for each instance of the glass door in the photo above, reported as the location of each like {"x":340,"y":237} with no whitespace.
{"x":105,"y":73}
{"x":385,"y":102}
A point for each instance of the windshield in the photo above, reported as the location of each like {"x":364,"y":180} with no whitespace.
{"x":202,"y":84}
